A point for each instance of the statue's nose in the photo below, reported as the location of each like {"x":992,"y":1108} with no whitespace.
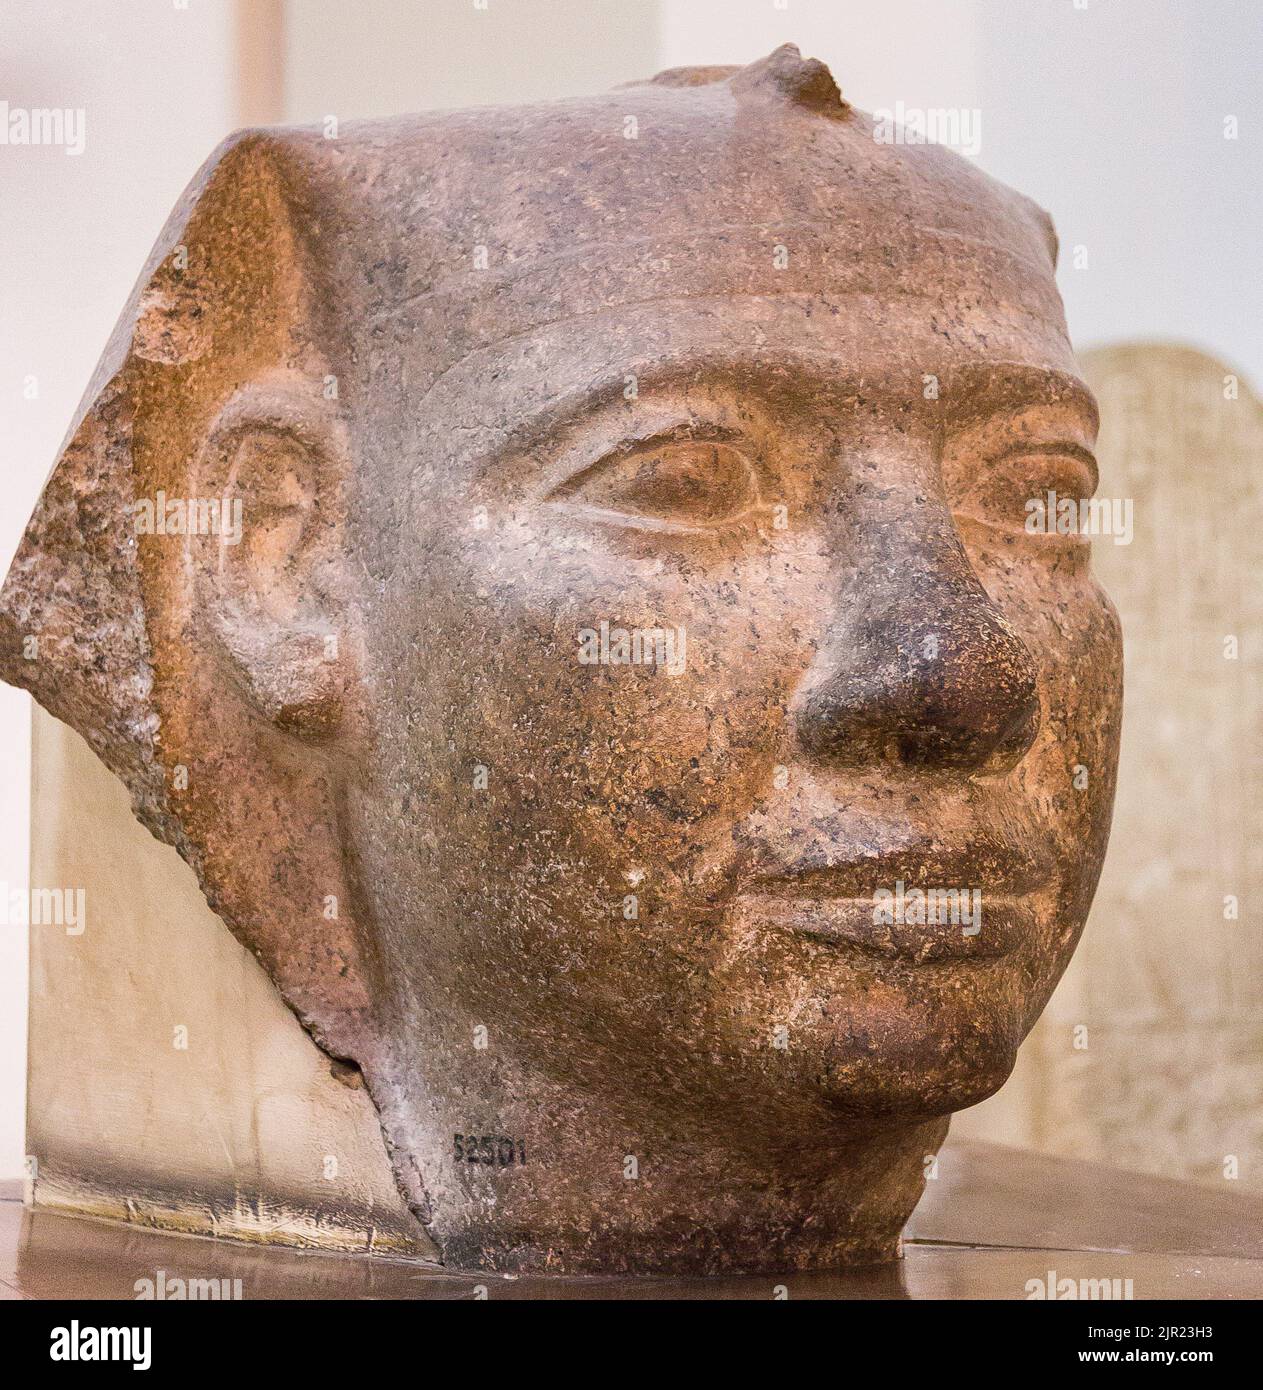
{"x":919,"y":666}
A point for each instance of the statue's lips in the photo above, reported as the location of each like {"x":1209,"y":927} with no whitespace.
{"x":1001,"y":926}
{"x":914,"y":906}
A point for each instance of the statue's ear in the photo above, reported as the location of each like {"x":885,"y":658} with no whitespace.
{"x":270,"y":575}
{"x":229,"y":292}
{"x":178,"y":597}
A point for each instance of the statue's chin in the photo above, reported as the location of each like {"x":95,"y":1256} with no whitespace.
{"x":925,"y":1097}
{"x":910,"y":1087}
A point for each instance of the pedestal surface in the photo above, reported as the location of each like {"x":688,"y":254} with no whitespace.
{"x":992,"y":1221}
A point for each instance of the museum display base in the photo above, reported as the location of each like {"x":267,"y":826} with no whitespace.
{"x":996,"y":1223}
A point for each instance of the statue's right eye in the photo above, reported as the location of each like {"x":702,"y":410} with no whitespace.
{"x":669,"y":485}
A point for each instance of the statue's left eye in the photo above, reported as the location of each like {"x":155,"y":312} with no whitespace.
{"x":1004,"y":491}
{"x":678,"y":485}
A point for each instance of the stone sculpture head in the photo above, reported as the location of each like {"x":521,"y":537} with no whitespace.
{"x":632,"y":612}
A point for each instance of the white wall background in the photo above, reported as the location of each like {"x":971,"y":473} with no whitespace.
{"x":1110,"y":115}
{"x":384,"y":57}
{"x":156,"y":86}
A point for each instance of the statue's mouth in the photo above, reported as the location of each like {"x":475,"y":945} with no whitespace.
{"x":913,"y":903}
{"x":918,"y":925}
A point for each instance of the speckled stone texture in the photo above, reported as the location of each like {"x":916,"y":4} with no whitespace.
{"x":632,"y":615}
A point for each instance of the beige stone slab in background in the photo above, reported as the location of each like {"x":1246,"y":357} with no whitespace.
{"x":168,"y":1083}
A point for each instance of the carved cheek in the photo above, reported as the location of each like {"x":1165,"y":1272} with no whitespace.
{"x":653,"y":701}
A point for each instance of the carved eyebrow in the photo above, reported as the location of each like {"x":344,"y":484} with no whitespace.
{"x":996,"y":386}
{"x":754,"y":378}
{"x":991,"y":386}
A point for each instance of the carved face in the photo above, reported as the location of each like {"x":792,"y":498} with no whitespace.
{"x":712,"y":766}
{"x":670,"y":688}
